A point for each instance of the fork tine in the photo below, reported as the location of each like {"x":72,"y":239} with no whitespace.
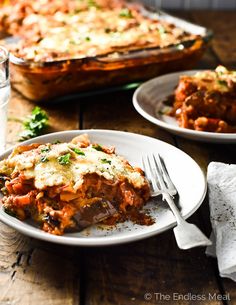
{"x":171,"y":187}
{"x":157,"y":172}
{"x":149,"y":175}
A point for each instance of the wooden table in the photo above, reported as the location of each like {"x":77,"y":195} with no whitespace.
{"x":36,"y":272}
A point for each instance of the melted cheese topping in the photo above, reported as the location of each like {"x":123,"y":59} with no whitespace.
{"x":42,"y":164}
{"x":87,"y":28}
{"x":218,"y":80}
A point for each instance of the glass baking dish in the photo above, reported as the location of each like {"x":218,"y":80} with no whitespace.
{"x":45,"y":81}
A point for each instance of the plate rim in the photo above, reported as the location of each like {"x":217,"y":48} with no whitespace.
{"x":105,"y":240}
{"x":204,"y":135}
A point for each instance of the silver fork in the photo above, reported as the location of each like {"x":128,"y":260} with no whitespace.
{"x":187,"y":235}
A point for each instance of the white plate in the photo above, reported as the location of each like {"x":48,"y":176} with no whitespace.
{"x":148,"y":101}
{"x":184,"y":171}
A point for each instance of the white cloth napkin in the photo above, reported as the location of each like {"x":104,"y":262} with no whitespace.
{"x":221,"y":180}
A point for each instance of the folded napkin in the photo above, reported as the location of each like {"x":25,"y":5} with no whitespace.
{"x":221,"y":180}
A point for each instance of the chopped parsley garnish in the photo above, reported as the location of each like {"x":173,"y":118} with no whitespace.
{"x":162,"y":30}
{"x":106,"y":161}
{"x":56,"y":142}
{"x":64,"y":159}
{"x":45,"y":149}
{"x":72,"y":42}
{"x":78,"y":151}
{"x":98,"y":147}
{"x":87,"y":38}
{"x":125,"y":12}
{"x":222,"y":82}
{"x":44,"y":159}
{"x":35,"y":124}
{"x":77,"y":10}
{"x":92,"y":3}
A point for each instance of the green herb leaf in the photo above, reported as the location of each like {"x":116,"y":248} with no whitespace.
{"x":92,"y":3}
{"x":56,"y":142}
{"x":161,"y":30}
{"x":44,"y":159}
{"x":64,"y":159}
{"x":76,"y":11}
{"x":26,"y":134}
{"x":222,"y":82}
{"x":45,"y":149}
{"x":78,"y":151}
{"x":98,"y":147}
{"x":87,"y":38}
{"x":106,"y":161}
{"x":125,"y":12}
{"x":72,"y":42}
{"x":35,"y":124}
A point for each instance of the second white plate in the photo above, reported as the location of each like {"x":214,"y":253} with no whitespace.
{"x":148,"y":100}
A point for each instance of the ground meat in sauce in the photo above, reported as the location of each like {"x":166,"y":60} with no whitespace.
{"x":206,"y":103}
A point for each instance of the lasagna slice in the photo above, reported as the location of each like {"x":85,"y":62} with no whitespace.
{"x":69,"y":186}
{"x":206,"y":101}
{"x":52,"y":30}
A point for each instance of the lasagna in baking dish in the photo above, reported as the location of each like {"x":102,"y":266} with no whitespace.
{"x":206,"y":101}
{"x":70,"y":186}
{"x":59,"y":30}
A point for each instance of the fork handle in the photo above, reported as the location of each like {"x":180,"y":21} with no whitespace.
{"x":187,"y":235}
{"x":173,"y":207}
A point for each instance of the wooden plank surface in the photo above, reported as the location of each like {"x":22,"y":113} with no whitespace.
{"x":35,"y":272}
{"x":117,"y":112}
{"x":224,"y":28}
